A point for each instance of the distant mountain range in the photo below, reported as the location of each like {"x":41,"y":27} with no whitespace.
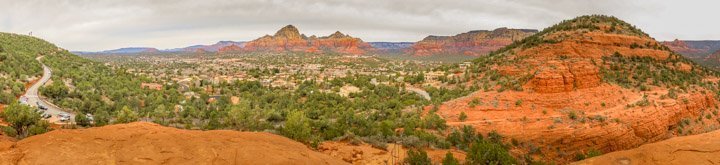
{"x":289,"y":39}
{"x":195,"y":48}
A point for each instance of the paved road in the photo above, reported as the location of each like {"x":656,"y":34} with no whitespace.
{"x":32,"y":98}
{"x":419,"y":91}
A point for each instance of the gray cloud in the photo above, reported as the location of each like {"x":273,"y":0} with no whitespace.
{"x":107,"y":24}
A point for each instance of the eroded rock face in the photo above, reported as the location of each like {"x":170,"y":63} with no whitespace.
{"x":603,"y":121}
{"x":148,"y":143}
{"x":366,"y":154}
{"x":289,"y":39}
{"x":695,"y":149}
{"x":473,"y":43}
{"x":565,"y":76}
{"x":565,"y":107}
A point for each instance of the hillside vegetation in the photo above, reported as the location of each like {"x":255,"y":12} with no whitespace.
{"x":17,"y":63}
{"x":578,"y":87}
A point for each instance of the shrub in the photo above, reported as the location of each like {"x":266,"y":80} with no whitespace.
{"x":450,"y":160}
{"x":417,"y":157}
{"x":484,"y":152}
{"x":297,"y":127}
{"x":82,"y":120}
{"x":462,"y":116}
{"x":9,"y":131}
{"x":572,"y":115}
{"x":126,"y":115}
{"x":518,"y":102}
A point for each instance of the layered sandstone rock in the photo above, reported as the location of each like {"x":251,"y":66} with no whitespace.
{"x":147,"y":143}
{"x":565,"y":76}
{"x":695,"y":149}
{"x":289,"y":39}
{"x":565,"y":107}
{"x":473,"y":43}
{"x":393,"y":154}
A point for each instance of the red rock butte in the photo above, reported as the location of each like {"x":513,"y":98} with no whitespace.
{"x":564,"y":101}
{"x":289,"y":39}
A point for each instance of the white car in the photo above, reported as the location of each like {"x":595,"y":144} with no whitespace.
{"x":90,"y":117}
{"x":64,"y":117}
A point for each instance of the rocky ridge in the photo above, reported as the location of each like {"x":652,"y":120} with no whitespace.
{"x":289,"y":39}
{"x":473,"y":43}
{"x":583,"y":85}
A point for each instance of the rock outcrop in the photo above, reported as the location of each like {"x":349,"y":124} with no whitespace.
{"x":569,"y":97}
{"x":393,"y":154}
{"x":695,"y":149}
{"x":289,"y":39}
{"x":683,"y":48}
{"x":473,"y":43}
{"x":693,"y":49}
{"x":148,"y":143}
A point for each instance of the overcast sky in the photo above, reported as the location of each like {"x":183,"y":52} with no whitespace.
{"x":93,"y":25}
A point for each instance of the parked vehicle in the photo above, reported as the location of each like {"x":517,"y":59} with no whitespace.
{"x":90,"y":117}
{"x":64,"y":117}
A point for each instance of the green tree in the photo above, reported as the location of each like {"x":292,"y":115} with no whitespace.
{"x":160,"y":114}
{"x":126,"y":115}
{"x":239,"y":116}
{"x":82,"y":120}
{"x":417,"y":157}
{"x":450,"y":160}
{"x":297,"y":126}
{"x":484,"y":152}
{"x":40,"y":127}
{"x":101,"y":118}
{"x":22,"y":118}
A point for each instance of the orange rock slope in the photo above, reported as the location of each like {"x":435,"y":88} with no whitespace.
{"x":565,"y":106}
{"x":695,"y":149}
{"x":393,"y":154}
{"x":473,"y":43}
{"x":148,"y":143}
{"x":289,"y":39}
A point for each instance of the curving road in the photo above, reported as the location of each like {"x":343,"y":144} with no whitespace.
{"x":420,"y":92}
{"x":33,"y":99}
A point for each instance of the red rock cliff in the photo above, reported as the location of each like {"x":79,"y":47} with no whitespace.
{"x":472,"y":43}
{"x":289,"y":39}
